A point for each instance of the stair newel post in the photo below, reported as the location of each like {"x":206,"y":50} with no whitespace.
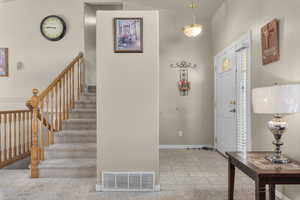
{"x":41,"y":128}
{"x":35,"y":148}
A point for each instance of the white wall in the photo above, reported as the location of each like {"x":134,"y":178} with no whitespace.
{"x":127,"y":98}
{"x":192,"y":114}
{"x":43,"y":60}
{"x":235,"y":18}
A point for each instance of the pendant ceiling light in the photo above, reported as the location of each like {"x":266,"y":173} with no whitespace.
{"x":194,"y":29}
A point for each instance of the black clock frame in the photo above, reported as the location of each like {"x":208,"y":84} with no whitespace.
{"x":62,"y":35}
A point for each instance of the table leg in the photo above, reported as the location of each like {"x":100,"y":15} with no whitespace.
{"x":260,"y":190}
{"x":231,"y":175}
{"x":272,"y":192}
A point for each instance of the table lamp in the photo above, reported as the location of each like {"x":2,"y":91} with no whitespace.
{"x":277,"y":100}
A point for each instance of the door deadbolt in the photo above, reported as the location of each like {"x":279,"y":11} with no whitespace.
{"x":232,"y":102}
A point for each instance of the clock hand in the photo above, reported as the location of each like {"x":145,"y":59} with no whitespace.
{"x":51,"y":27}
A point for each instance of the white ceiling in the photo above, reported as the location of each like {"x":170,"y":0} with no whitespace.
{"x":206,"y":8}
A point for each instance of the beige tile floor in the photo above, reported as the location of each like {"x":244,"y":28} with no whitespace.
{"x":184,"y":175}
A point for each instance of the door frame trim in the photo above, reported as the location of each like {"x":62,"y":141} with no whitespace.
{"x":245,"y":38}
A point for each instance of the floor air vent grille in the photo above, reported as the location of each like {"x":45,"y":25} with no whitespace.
{"x":128,"y":181}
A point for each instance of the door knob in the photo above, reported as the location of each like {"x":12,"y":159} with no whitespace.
{"x":233,"y":110}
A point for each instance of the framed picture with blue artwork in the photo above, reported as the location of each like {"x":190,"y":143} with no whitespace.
{"x":128,"y":35}
{"x":3,"y":62}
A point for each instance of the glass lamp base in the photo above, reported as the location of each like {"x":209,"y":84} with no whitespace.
{"x":277,"y":160}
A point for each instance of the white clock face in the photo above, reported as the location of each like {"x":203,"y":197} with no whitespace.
{"x":53,"y":28}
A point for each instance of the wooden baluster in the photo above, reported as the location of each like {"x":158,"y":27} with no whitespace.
{"x":28,"y":131}
{"x":80,"y":74}
{"x":70,"y":89}
{"x":78,"y":81}
{"x":23,"y":127}
{"x":42,"y":135}
{"x":23,"y":134}
{"x":31,"y":129}
{"x":0,"y":138}
{"x":2,"y":141}
{"x":73,"y":88}
{"x":35,"y":149}
{"x":67,"y":94}
{"x":47,"y":121}
{"x":71,"y":97}
{"x":23,"y":130}
{"x":52,"y":117}
{"x":15,"y":134}
{"x":5,"y":137}
{"x":79,"y":78}
{"x":60,"y":107}
{"x":56,"y":107}
{"x":10,"y":156}
{"x":19,"y":131}
{"x":63,"y":97}
{"x":83,"y":75}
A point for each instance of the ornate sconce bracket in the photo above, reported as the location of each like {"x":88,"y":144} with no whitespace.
{"x":184,"y":85}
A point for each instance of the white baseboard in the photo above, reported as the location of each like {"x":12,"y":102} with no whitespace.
{"x":98,"y":188}
{"x":183,"y":146}
{"x":281,"y":196}
{"x":157,"y":188}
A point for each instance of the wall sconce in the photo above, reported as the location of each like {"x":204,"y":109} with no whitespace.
{"x":184,"y":86}
{"x":20,"y":66}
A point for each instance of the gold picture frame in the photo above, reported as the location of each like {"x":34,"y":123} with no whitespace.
{"x":128,"y":35}
{"x":3,"y":62}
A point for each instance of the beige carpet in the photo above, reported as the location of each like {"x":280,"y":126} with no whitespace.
{"x":184,"y":175}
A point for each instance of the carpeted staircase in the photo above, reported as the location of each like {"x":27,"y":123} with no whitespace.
{"x":73,"y":154}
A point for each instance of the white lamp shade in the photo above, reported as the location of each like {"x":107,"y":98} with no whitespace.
{"x":282,"y":99}
{"x":192,"y":30}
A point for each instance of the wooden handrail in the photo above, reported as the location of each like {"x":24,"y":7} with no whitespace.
{"x":58,"y":78}
{"x":15,"y":136}
{"x":52,"y":106}
{"x":51,"y":86}
{"x":25,"y":132}
{"x":14,"y":111}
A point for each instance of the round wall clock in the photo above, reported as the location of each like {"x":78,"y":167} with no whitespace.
{"x":53,"y":28}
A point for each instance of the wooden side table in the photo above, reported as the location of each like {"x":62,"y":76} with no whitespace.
{"x":263,"y":172}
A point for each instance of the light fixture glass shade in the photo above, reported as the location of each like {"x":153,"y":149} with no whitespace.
{"x":282,"y":99}
{"x":192,"y":30}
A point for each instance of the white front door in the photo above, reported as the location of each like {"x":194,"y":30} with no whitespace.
{"x":232,"y":97}
{"x":225,"y":100}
